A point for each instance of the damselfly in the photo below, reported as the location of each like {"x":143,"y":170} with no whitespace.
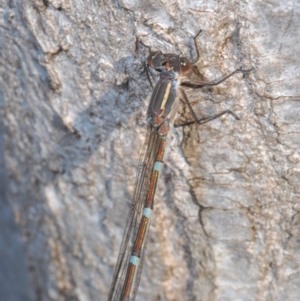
{"x":161,"y":115}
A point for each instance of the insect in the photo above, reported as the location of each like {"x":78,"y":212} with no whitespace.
{"x":161,"y":115}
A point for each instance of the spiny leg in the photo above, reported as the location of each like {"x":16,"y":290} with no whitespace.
{"x":186,"y":101}
{"x":145,"y":65}
{"x":205,"y":119}
{"x":215,"y":83}
{"x":208,"y":119}
{"x":197,"y":49}
{"x":196,"y":70}
{"x":147,"y":70}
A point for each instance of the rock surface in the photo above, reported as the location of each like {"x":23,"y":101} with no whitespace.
{"x":73,"y":100}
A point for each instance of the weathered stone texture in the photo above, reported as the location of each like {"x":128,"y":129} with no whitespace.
{"x":73,"y":101}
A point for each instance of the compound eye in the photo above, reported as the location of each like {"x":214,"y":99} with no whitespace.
{"x":185,"y":65}
{"x":154,"y":59}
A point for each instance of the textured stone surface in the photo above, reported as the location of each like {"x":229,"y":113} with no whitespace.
{"x":226,"y":222}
